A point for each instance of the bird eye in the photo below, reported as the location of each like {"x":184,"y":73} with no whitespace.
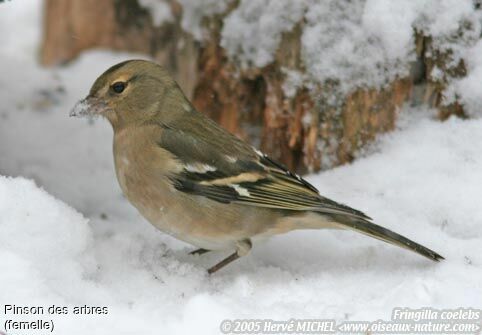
{"x":118,"y":87}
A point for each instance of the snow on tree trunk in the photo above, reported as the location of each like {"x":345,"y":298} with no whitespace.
{"x":310,"y":82}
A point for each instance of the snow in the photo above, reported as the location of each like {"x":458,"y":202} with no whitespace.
{"x":375,"y":43}
{"x":29,"y":218}
{"x":195,"y":11}
{"x":251,"y":32}
{"x":293,"y":81}
{"x":69,"y":237}
{"x":468,"y":88}
{"x":351,"y":49}
{"x":443,"y":18}
{"x":159,"y":9}
{"x":10,"y":15}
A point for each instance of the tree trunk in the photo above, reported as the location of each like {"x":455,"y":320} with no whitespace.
{"x":303,"y":130}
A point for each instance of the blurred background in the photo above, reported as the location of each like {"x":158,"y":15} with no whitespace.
{"x":310,"y":82}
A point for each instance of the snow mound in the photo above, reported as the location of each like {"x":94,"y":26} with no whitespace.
{"x":42,"y":240}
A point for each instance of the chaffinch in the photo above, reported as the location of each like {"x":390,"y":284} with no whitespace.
{"x":194,"y":180}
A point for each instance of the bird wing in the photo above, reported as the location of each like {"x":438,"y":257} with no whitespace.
{"x":219,"y":166}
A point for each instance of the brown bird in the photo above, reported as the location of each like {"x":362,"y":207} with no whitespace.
{"x":197,"y":182}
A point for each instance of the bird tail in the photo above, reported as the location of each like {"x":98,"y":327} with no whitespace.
{"x":368,"y":228}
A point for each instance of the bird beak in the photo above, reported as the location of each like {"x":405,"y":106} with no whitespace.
{"x":90,"y":106}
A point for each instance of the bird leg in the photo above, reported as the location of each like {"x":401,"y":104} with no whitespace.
{"x":199,"y":251}
{"x":223,"y":263}
{"x":242,"y":248}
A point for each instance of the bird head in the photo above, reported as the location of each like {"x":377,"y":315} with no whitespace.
{"x":132,"y":92}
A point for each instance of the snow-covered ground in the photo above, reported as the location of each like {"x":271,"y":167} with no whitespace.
{"x":85,"y":245}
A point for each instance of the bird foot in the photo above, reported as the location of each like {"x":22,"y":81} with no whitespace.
{"x":199,"y":251}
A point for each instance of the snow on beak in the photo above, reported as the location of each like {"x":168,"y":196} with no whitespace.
{"x":90,"y":106}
